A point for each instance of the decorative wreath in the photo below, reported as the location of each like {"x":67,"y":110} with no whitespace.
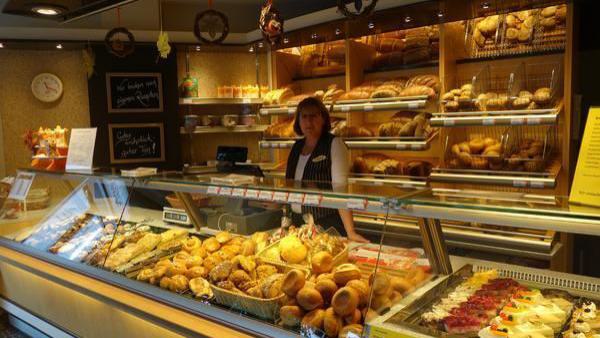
{"x":359,"y":10}
{"x":270,"y":23}
{"x":118,"y":47}
{"x":213,"y":22}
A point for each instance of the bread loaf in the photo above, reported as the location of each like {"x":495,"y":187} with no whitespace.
{"x":388,"y":45}
{"x":417,"y":55}
{"x":281,"y":129}
{"x":366,"y":163}
{"x":417,"y":90}
{"x":389,"y":59}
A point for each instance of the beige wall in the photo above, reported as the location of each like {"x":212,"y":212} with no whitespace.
{"x":20,"y":111}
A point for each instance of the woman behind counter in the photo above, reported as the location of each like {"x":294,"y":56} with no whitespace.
{"x":320,"y":157}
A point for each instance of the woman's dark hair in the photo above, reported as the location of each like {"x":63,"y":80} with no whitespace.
{"x":312,"y":102}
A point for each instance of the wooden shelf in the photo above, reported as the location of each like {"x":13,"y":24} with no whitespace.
{"x":496,"y":118}
{"x":220,"y":129}
{"x":314,"y":77}
{"x":218,"y":100}
{"x":363,"y":143}
{"x":412,"y":102}
{"x":427,"y":64}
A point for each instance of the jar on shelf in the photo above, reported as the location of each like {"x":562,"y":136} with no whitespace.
{"x":189,"y":87}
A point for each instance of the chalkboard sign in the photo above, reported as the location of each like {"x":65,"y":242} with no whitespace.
{"x":136,"y":142}
{"x":134,"y":92}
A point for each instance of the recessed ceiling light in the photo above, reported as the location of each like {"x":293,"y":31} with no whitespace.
{"x":197,"y":48}
{"x":371,"y":25}
{"x":251,"y":50}
{"x":314,"y":36}
{"x":59,"y":46}
{"x":260,"y":45}
{"x":407,"y":19}
{"x":48,"y":10}
{"x":286,"y":40}
{"x":485,"y":5}
{"x":338,"y":31}
{"x":440,"y":14}
{"x":1,"y":45}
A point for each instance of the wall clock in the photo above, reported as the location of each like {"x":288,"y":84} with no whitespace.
{"x":47,"y":87}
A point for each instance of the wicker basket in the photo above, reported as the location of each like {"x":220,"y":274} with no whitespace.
{"x":263,"y":308}
{"x":340,"y":258}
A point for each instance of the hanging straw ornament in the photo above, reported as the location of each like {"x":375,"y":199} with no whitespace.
{"x":270,"y":23}
{"x":354,"y":9}
{"x":114,"y":44}
{"x":163,"y":38}
{"x":211,"y":27}
{"x":89,"y":60}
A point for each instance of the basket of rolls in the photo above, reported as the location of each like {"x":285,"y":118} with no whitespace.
{"x":336,"y":303}
{"x":306,"y":248}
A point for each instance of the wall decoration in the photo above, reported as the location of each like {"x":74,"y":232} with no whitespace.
{"x":89,"y":60}
{"x":163,"y":38}
{"x":47,"y":87}
{"x":113,"y":39}
{"x":211,"y":27}
{"x":134,"y":92}
{"x":270,"y":23}
{"x":136,"y":142}
{"x":354,"y":9}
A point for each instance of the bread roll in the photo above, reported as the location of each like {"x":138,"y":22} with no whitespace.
{"x":401,"y":285}
{"x":351,"y":331}
{"x":380,"y":283}
{"x":366,"y":163}
{"x":291,"y":316}
{"x":345,"y":301}
{"x":362,"y":288}
{"x":271,"y":286}
{"x":332,"y":323}
{"x":381,"y":303}
{"x":293,"y":281}
{"x":211,"y":245}
{"x":195,"y":272}
{"x":179,"y":283}
{"x":327,"y":288}
{"x":345,"y":273}
{"x":314,"y":319}
{"x":248,"y":247}
{"x":309,"y":298}
{"x":287,"y":300}
{"x":354,"y":318}
{"x":191,"y":244}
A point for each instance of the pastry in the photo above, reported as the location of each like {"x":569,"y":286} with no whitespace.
{"x":313,"y":320}
{"x":165,"y":282}
{"x":191,"y":244}
{"x":200,"y":252}
{"x":200,"y":288}
{"x":309,"y":298}
{"x":239,"y":277}
{"x":380,"y":283}
{"x":512,"y":34}
{"x":345,"y":301}
{"x":178,"y":268}
{"x":145,"y":275}
{"x":351,"y":331}
{"x":193,"y":261}
{"x":179,"y":283}
{"x":158,"y":274}
{"x":332,"y":323}
{"x":344,"y":273}
{"x":255,"y":291}
{"x":195,"y":272}
{"x":418,"y":169}
{"x":223,"y":237}
{"x":263,"y":271}
{"x":381,"y":303}
{"x":210,"y":262}
{"x":220,"y":272}
{"x":521,"y":102}
{"x":388,"y":167}
{"x":292,"y":249}
{"x":271,"y":286}
{"x":293,"y":281}
{"x":211,"y":245}
{"x":327,"y":288}
{"x":542,"y":96}
{"x":401,"y":285}
{"x":291,"y":315}
{"x":362,"y":289}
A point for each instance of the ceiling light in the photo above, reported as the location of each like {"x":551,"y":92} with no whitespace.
{"x":59,"y":46}
{"x":371,"y":25}
{"x":407,"y":19}
{"x":314,"y":36}
{"x":251,"y":49}
{"x":485,"y":5}
{"x":197,"y":48}
{"x":1,"y":45}
{"x":338,"y":31}
{"x":260,"y":45}
{"x":440,"y":14}
{"x":286,"y":41}
{"x":48,"y":10}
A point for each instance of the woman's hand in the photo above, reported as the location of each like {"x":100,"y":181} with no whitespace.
{"x":355,"y":237}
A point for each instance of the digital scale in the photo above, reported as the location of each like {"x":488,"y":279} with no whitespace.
{"x":177,"y":216}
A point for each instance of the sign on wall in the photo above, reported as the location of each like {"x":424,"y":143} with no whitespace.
{"x":136,"y":142}
{"x":134,"y":92}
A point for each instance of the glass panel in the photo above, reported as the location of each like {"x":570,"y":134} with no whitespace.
{"x":79,"y":227}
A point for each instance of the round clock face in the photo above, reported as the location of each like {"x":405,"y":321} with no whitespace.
{"x":47,"y":87}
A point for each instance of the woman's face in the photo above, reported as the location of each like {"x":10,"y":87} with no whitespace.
{"x":311,"y":122}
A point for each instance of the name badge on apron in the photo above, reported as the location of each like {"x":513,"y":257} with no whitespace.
{"x":319,"y":158}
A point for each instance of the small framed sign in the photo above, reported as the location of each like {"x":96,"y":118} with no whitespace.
{"x":134,"y":92}
{"x":136,"y":142}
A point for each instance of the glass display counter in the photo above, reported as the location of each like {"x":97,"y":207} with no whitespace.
{"x":228,"y":249}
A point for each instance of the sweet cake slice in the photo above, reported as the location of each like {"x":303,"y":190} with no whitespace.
{"x":585,"y":321}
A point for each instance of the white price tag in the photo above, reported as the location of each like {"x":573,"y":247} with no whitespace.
{"x":345,"y":108}
{"x":187,"y":101}
{"x":401,"y":146}
{"x":377,"y":182}
{"x":291,"y":111}
{"x":246,"y":100}
{"x":489,"y":122}
{"x":519,"y":183}
{"x":448,"y":123}
{"x":238,"y":192}
{"x":413,"y":105}
{"x":21,"y":187}
{"x":538,"y":185}
{"x":357,"y":203}
{"x":296,"y":198}
{"x":265,"y":195}
{"x":517,"y":121}
{"x":253,"y":194}
{"x":416,"y":146}
{"x":213,"y":190}
{"x":368,"y":107}
{"x":313,"y":199}
{"x":280,"y":196}
{"x":534,"y":120}
{"x":225,"y":191}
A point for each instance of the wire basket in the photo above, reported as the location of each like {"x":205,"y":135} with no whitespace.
{"x":536,"y":86}
{"x":530,"y":149}
{"x":521,"y":32}
{"x":463,"y":97}
{"x":478,"y":148}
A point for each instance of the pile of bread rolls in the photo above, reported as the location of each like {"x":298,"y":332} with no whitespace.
{"x":406,"y":123}
{"x":304,"y":250}
{"x":553,"y":16}
{"x":379,"y":164}
{"x":478,"y":153}
{"x":528,"y":155}
{"x":286,"y":95}
{"x":406,"y":47}
{"x":520,"y":25}
{"x":428,"y":85}
{"x":485,"y":30}
{"x":464,"y":98}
